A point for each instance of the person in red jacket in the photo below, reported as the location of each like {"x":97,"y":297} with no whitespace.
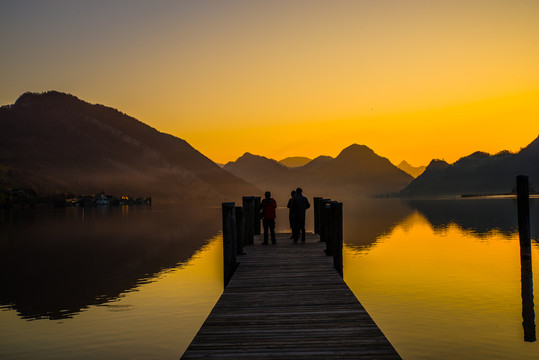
{"x":268,"y":206}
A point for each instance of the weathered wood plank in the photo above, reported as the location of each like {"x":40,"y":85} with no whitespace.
{"x":286,"y":301}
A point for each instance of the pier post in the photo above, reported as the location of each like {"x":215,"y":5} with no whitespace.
{"x":526,"y":274}
{"x":327,"y":215}
{"x":229,"y":241}
{"x":337,"y":236}
{"x":316,"y":215}
{"x":249,"y":213}
{"x":322,"y":219}
{"x":523,"y":205}
{"x":240,"y":230}
{"x":257,"y":220}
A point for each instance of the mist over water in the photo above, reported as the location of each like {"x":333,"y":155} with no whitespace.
{"x":440,"y":277}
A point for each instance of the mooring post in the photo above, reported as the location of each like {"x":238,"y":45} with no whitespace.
{"x":229,"y":241}
{"x":526,"y":274}
{"x":257,"y":219}
{"x":523,"y":205}
{"x":316,"y":201}
{"x":337,"y":236}
{"x":328,"y":227}
{"x":240,"y":230}
{"x":321,"y":219}
{"x":248,"y":214}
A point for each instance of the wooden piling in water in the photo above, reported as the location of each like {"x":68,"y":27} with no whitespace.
{"x":240,"y":230}
{"x":321,"y":206}
{"x":257,"y":220}
{"x":337,"y":236}
{"x":526,"y":274}
{"x":316,"y":214}
{"x":229,"y":241}
{"x":322,"y":219}
{"x":327,"y":217}
{"x":332,"y":232}
{"x":249,"y":213}
{"x":523,"y":205}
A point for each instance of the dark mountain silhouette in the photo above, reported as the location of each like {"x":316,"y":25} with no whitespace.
{"x":317,"y":162}
{"x":259,"y":170}
{"x":294,"y":161}
{"x":357,"y":171}
{"x":478,"y":173}
{"x":55,"y":142}
{"x":415,"y":171}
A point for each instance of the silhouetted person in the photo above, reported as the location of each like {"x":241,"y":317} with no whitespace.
{"x":268,"y":206}
{"x":290,"y":213}
{"x":298,"y":206}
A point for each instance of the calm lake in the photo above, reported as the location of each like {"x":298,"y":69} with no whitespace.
{"x":441,"y":278}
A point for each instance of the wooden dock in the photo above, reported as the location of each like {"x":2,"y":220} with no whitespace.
{"x":286,"y":301}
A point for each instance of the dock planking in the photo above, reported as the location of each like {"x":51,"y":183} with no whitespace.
{"x":286,"y":301}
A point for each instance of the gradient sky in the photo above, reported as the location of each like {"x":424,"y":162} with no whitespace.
{"x":413,"y":80}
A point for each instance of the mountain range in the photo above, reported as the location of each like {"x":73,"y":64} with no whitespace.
{"x":415,"y":171}
{"x":478,"y":174}
{"x":294,"y":161}
{"x":54,"y":142}
{"x":356,"y":171}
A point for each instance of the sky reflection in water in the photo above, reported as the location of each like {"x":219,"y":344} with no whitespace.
{"x":114,"y":286}
{"x":441,"y":278}
{"x":445,"y":291}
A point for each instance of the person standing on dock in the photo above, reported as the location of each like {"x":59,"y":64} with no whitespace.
{"x":290,"y":213}
{"x":298,"y":206}
{"x":268,"y":206}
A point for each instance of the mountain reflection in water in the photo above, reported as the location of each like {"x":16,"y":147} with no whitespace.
{"x":56,"y":262}
{"x":445,"y":280}
{"x":365,"y":221}
{"x":442,"y":278}
{"x":479,"y":215}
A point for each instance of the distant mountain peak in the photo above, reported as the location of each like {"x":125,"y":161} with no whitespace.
{"x":477,"y":173}
{"x":415,"y":171}
{"x":247,"y":155}
{"x":437,"y":164}
{"x":59,"y":143}
{"x":295,"y":161}
{"x":356,"y":150}
{"x":252,"y":161}
{"x":533,"y":146}
{"x":31,"y":98}
{"x":404,"y":163}
{"x":252,"y":157}
{"x":474,"y":158}
{"x":504,"y":153}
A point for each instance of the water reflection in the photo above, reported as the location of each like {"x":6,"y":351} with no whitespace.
{"x":528,"y":311}
{"x":445,"y":280}
{"x":480,"y":216}
{"x":365,"y":221}
{"x":54,"y":263}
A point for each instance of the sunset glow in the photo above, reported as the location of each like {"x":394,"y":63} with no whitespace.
{"x":413,"y":80}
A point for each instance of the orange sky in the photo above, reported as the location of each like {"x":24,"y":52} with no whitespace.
{"x":413,"y":80}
